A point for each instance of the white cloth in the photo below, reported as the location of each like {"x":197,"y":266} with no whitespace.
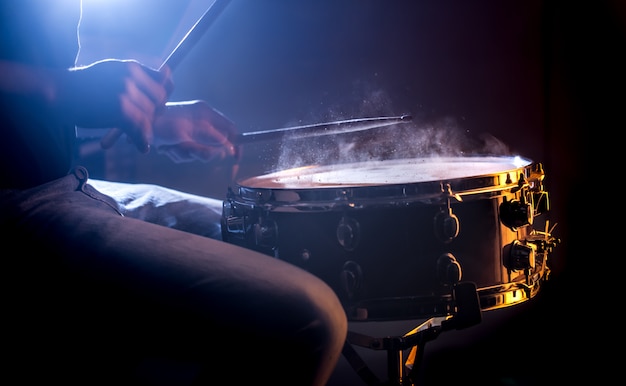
{"x":168,"y":207}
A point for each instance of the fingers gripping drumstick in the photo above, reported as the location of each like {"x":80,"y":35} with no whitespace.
{"x":177,"y":54}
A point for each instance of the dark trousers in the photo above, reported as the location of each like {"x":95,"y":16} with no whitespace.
{"x":90,"y":294}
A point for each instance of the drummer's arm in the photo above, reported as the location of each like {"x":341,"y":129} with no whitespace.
{"x":104,"y":94}
{"x":36,"y":87}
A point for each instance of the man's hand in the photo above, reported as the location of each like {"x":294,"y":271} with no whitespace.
{"x":123,"y":94}
{"x":194,"y":131}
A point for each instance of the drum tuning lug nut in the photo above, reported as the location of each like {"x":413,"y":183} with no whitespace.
{"x":519,"y":256}
{"x":351,"y":279}
{"x":348,"y":233}
{"x":516,"y":213}
{"x":447,"y":223}
{"x":448,"y":269}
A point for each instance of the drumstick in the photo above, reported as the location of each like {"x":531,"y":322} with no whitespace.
{"x":314,"y":130}
{"x":319,"y":129}
{"x":178,"y":53}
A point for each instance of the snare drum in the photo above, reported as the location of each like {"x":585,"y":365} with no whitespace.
{"x":394,"y":237}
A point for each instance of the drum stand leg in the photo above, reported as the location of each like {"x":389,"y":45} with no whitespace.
{"x":395,"y":346}
{"x":468,"y":313}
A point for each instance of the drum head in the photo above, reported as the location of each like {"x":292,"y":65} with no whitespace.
{"x":389,"y":172}
{"x":412,"y":179}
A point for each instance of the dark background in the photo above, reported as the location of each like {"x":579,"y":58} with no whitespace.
{"x":540,"y":79}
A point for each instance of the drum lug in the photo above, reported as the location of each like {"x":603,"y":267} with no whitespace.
{"x":448,"y":269}
{"x":515,"y":214}
{"x":519,"y":256}
{"x":351,"y":279}
{"x":533,"y":200}
{"x":446,"y":226}
{"x":447,"y":223}
{"x":348,"y":233}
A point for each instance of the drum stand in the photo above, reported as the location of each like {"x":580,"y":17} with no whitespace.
{"x":401,"y":371}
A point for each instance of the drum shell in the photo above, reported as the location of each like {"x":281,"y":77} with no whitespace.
{"x":397,"y":248}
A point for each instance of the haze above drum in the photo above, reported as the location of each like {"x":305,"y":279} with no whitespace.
{"x":394,"y":238}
